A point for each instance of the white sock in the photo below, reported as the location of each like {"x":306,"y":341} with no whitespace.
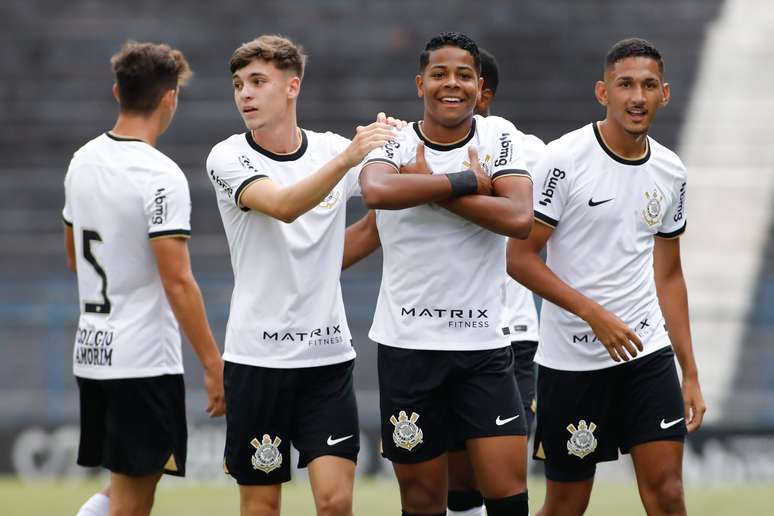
{"x":475,"y":511}
{"x":97,"y":505}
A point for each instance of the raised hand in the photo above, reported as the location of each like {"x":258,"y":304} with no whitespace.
{"x":419,"y":166}
{"x":368,"y":138}
{"x":483,"y":180}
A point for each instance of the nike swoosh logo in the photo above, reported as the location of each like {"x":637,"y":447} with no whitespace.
{"x":501,"y":422}
{"x":334,"y":442}
{"x":593,"y":203}
{"x":664,"y":425}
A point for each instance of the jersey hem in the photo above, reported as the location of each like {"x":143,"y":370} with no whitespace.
{"x":67,"y":222}
{"x":118,"y":374}
{"x":382,"y":160}
{"x":545,"y":219}
{"x":511,"y":172}
{"x":288,"y":364}
{"x":573,"y":366}
{"x":185,"y":233}
{"x":441,"y":346}
{"x":241,"y":188}
{"x":673,"y":234}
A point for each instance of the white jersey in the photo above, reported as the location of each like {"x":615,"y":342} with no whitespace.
{"x":523,"y":319}
{"x":443,"y":280}
{"x":606,"y":211}
{"x":119,"y":193}
{"x":286,"y":307}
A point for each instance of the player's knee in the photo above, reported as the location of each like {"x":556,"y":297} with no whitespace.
{"x":422,"y":496}
{"x":335,"y":503}
{"x":669,"y":495}
{"x":514,"y":505}
{"x":259,"y":506}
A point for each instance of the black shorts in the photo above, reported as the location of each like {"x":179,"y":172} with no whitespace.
{"x":585,"y":417}
{"x":430,"y":399}
{"x":524,"y":366}
{"x":133,"y":426}
{"x":313,"y":408}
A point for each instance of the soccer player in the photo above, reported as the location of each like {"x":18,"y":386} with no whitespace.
{"x":611,"y":205}
{"x":282,"y":194}
{"x":464,"y":499}
{"x":445,"y":368}
{"x":127,"y":220}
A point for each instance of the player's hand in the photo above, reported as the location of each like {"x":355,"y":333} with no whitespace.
{"x":483,"y":180}
{"x":213,"y":384}
{"x":368,"y":138}
{"x":397,"y":123}
{"x":419,"y":166}
{"x":620,"y":341}
{"x":693,"y":403}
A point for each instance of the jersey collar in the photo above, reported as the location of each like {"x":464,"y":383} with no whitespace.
{"x":280,"y":157}
{"x":121,"y":138}
{"x":445,"y":146}
{"x":616,"y":157}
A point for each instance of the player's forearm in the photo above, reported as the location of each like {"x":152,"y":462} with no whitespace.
{"x":186,"y":301}
{"x":673,"y":298}
{"x":399,"y":191}
{"x":528,"y":269}
{"x":361,"y":240}
{"x":498,"y":214}
{"x":294,"y":200}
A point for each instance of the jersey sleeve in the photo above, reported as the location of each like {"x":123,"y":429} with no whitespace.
{"x":509,"y":152}
{"x":230,"y":172}
{"x":67,"y":215}
{"x":168,"y":205}
{"x":552,"y":185}
{"x":392,"y":153}
{"x":674,"y":222}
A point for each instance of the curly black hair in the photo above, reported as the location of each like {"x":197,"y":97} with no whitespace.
{"x":451,"y":39}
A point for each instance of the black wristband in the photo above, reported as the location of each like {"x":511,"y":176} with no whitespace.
{"x":463,"y":183}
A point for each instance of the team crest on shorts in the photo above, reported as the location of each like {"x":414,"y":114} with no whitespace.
{"x":267,"y":456}
{"x":407,"y":434}
{"x":582,"y":441}
{"x":330,"y":200}
{"x":652,"y":211}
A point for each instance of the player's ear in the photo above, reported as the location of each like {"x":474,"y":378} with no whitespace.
{"x":294,"y":87}
{"x":420,"y":86}
{"x":115,"y":93}
{"x":600,"y":91}
{"x":667,"y":93}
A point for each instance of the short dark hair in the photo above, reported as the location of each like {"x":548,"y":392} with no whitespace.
{"x":144,"y":72}
{"x":633,"y":47}
{"x":279,"y":50}
{"x":490,"y":71}
{"x":450,"y":39}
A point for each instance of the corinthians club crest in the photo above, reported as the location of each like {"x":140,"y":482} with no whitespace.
{"x":330,"y":200}
{"x":582,"y":441}
{"x":652,"y":211}
{"x":267,"y":456}
{"x":407,"y":434}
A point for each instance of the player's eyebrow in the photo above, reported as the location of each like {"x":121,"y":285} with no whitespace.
{"x":254,"y":74}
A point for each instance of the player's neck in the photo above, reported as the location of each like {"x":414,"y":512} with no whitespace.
{"x":282,"y":138}
{"x":438,"y":133}
{"x":137,"y":127}
{"x":621,"y":142}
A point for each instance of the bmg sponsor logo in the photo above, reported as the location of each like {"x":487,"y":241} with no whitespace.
{"x":221,"y":183}
{"x":550,"y":185}
{"x":506,"y":148}
{"x":159,"y":207}
{"x":390,"y":147}
{"x":680,"y":204}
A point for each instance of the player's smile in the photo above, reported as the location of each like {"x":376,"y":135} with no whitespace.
{"x":450,"y":85}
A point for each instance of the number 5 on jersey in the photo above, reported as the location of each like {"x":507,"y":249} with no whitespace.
{"x":95,"y":308}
